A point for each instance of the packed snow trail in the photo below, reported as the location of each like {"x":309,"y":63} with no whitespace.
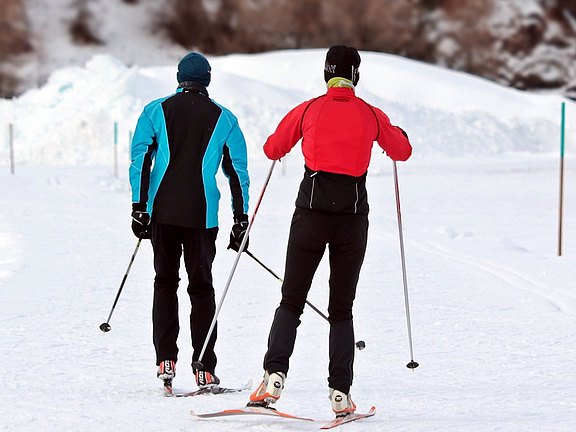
{"x":487,"y":337}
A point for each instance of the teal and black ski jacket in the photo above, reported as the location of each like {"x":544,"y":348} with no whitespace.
{"x":179,"y":143}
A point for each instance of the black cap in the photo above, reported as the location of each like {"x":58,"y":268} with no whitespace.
{"x":342,"y":61}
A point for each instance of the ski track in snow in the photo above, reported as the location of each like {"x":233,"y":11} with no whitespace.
{"x":560,"y":301}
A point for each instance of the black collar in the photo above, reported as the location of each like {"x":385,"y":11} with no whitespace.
{"x":192,"y":86}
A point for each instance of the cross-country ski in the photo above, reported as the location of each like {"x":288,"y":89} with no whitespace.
{"x":349,"y":418}
{"x":216,"y":390}
{"x":250,"y":410}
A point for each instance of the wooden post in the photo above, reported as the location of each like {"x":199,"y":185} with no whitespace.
{"x":11,"y":144}
{"x":561,"y":198}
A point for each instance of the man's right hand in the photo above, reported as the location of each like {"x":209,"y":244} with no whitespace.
{"x":141,"y":223}
{"x":238,"y":231}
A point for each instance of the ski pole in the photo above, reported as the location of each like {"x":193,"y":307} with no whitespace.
{"x":105,"y":326}
{"x":412,"y":364}
{"x":360,"y":344}
{"x":197,"y":365}
{"x":278,"y":277}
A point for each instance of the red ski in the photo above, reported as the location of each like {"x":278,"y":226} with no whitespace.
{"x":250,"y":410}
{"x":349,"y":418}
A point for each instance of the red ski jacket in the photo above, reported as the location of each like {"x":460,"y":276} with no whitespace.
{"x":338,"y":130}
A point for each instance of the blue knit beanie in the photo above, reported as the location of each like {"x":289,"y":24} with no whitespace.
{"x":194,"y":67}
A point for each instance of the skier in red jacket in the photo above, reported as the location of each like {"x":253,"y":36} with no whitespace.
{"x":338,"y":130}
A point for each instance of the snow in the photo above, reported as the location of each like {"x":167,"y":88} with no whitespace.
{"x":493,"y":307}
{"x":127,"y":31}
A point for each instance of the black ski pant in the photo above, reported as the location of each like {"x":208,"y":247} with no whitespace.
{"x":199,"y":246}
{"x":346,"y":236}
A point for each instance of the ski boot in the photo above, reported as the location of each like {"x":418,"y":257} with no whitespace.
{"x":206,"y":380}
{"x":342,"y":403}
{"x":167,"y":372}
{"x":269,"y":390}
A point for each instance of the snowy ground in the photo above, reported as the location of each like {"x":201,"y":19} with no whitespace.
{"x":493,"y":306}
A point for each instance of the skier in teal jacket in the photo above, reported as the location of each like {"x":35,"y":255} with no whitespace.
{"x":179,"y":144}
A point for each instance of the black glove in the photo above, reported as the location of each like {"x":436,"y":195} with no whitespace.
{"x":140,"y":221}
{"x":237,"y":234}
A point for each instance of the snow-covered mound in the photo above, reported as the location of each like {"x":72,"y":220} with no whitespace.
{"x":71,"y":119}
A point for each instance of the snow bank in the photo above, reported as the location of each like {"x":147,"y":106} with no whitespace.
{"x":71,"y":119}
